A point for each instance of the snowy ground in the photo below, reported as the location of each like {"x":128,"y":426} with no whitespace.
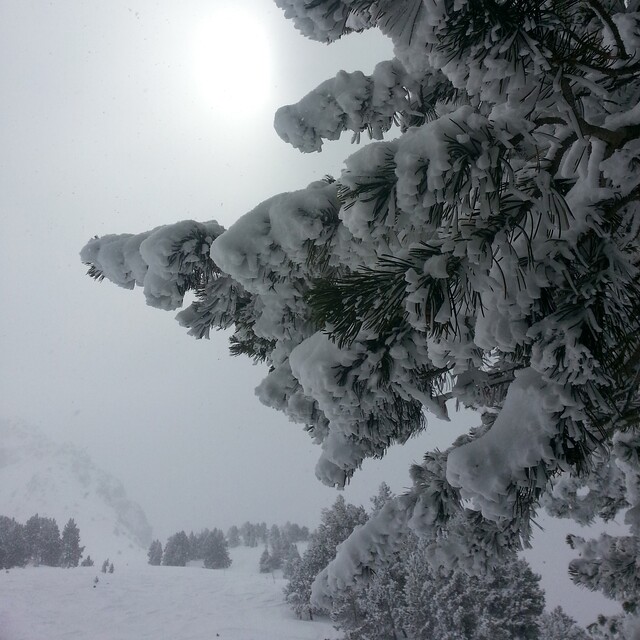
{"x":138,"y":601}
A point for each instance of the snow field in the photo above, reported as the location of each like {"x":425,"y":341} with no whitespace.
{"x":139,"y":601}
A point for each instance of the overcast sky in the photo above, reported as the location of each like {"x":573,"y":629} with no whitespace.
{"x":118,"y":117}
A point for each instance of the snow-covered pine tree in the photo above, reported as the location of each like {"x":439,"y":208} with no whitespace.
{"x":557,"y":625}
{"x":376,"y":608}
{"x":488,"y":255}
{"x":50,"y":542}
{"x":215,"y":553}
{"x":383,"y":496}
{"x":176,"y":551}
{"x":249,"y":534}
{"x":13,"y":547}
{"x":335,"y":526}
{"x":155,"y":553}
{"x":195,"y":543}
{"x":405,"y":598}
{"x":32,"y":538}
{"x":71,"y":551}
{"x":233,"y":536}
{"x":418,"y":604}
{"x":87,"y":562}
{"x":265,"y":563}
{"x":291,"y":560}
{"x":293,"y":532}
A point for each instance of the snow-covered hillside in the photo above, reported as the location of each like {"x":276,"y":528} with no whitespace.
{"x":159,"y":603}
{"x":40,"y":476}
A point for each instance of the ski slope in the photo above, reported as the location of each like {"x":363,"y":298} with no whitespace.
{"x":138,"y":601}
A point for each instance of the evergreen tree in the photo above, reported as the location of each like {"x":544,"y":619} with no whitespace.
{"x":42,"y":538}
{"x":13,"y":547}
{"x":609,"y":628}
{"x":111,"y":567}
{"x":176,"y":551}
{"x":70,"y":543}
{"x":488,"y":253}
{"x":87,"y":562}
{"x":215,"y":552}
{"x":335,"y":526}
{"x":249,"y":534}
{"x":278,"y":545}
{"x":195,"y":546}
{"x":383,"y":496}
{"x":374,"y":610}
{"x":233,"y":536}
{"x":419,"y":609}
{"x":291,"y":560}
{"x":262,"y":533}
{"x":105,"y":566}
{"x":265,"y":564}
{"x":50,"y":543}
{"x":293,"y":532}
{"x":155,"y":553}
{"x":32,"y":539}
{"x":557,"y":625}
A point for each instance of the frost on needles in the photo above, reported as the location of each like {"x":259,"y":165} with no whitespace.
{"x":487,"y":256}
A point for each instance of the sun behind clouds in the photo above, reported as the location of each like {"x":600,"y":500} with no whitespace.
{"x":232,"y":62}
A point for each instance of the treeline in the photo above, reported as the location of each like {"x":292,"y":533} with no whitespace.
{"x":212,"y":546}
{"x":39,"y":542}
{"x":407,"y":599}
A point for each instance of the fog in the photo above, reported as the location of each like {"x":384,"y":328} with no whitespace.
{"x":117,"y":118}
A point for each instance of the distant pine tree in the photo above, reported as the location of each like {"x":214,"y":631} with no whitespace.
{"x":50,"y":543}
{"x":291,"y":560}
{"x":383,"y":496}
{"x":155,"y":553}
{"x":13,"y":547}
{"x":215,"y":554}
{"x":233,"y":536}
{"x":279,"y":545}
{"x":195,"y":542}
{"x":249,"y":534}
{"x":87,"y":562}
{"x":42,"y":538}
{"x":176,"y":551}
{"x":265,"y":564}
{"x":70,"y":544}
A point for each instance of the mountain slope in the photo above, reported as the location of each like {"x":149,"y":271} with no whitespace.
{"x":40,"y":476}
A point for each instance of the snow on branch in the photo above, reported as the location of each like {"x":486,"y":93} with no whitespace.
{"x":490,"y":254}
{"x":166,"y":261}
